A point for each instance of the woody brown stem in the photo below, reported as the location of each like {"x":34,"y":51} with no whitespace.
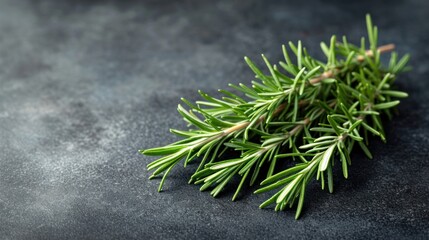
{"x":381,"y":49}
{"x":360,"y":58}
{"x":243,"y":125}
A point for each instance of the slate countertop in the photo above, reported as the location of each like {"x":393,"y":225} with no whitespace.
{"x":85,"y":84}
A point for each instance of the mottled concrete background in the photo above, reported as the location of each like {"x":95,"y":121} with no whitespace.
{"x":85,"y":84}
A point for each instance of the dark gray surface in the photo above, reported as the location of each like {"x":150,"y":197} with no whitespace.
{"x":85,"y":84}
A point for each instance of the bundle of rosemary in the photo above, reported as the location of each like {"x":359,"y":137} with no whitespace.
{"x":305,"y":112}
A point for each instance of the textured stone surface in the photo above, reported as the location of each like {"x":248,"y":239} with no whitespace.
{"x":85,"y":84}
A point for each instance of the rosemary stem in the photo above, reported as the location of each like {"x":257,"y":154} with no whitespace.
{"x":360,"y":58}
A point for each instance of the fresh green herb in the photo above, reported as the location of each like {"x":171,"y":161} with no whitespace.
{"x":305,"y":114}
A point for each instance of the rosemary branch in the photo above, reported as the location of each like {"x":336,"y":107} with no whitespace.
{"x":305,"y":111}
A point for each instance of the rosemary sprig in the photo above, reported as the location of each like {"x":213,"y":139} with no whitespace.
{"x":303,"y":110}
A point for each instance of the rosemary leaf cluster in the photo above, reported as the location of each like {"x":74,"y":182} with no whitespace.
{"x":305,"y":112}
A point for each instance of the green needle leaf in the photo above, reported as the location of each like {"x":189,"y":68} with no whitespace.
{"x":386,"y":105}
{"x":397,"y":94}
{"x":326,"y":157}
{"x":287,"y":189}
{"x":300,"y":202}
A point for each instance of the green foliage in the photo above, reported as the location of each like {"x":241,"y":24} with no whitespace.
{"x":304,"y":113}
